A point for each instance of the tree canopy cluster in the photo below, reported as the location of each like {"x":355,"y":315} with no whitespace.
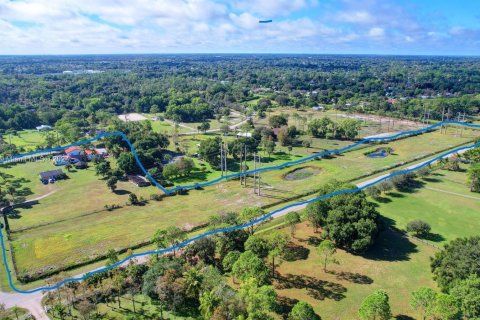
{"x":350,"y":220}
{"x":36,"y":90}
{"x":193,"y":282}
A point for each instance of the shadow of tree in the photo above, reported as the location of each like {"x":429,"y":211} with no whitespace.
{"x":316,"y":288}
{"x":194,"y":175}
{"x":391,"y":246}
{"x":396,"y":195}
{"x":121,"y":192}
{"x":14,"y":214}
{"x":285,"y":305}
{"x":295,"y":252}
{"x":353,"y":277}
{"x":403,"y":317}
{"x":435,"y":237}
{"x":314,"y":241}
{"x":412,"y":187}
{"x":383,"y":199}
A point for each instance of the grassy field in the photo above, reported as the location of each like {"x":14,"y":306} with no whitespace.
{"x":395,"y":263}
{"x":168,"y":127}
{"x":353,"y":164}
{"x":443,"y":200}
{"x":64,"y":229}
{"x":28,"y":140}
{"x":370,"y":126}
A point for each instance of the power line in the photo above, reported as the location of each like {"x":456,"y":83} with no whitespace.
{"x":257,"y":159}
{"x":254,"y":173}
{"x":221,"y":157}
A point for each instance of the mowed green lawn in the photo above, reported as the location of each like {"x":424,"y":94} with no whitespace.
{"x":444,"y":201}
{"x":73,"y":235}
{"x":26,"y":139}
{"x":354,"y":164}
{"x":395,"y":263}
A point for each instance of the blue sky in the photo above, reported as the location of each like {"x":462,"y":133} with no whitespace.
{"x":436,"y":27}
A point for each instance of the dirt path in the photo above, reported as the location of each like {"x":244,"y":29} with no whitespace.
{"x":41,"y":197}
{"x":233,"y":126}
{"x":363,"y":183}
{"x":179,"y":124}
{"x":453,"y":193}
{"x":32,"y":302}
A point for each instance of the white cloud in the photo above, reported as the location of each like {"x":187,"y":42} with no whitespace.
{"x":272,"y":8}
{"x":245,"y":20}
{"x":456,"y":31}
{"x":356,"y":17}
{"x":105,"y":26}
{"x":376,"y":32}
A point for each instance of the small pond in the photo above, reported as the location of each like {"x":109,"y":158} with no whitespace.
{"x":379,"y":153}
{"x":301,"y":173}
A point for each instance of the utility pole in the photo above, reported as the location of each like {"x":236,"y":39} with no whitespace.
{"x":245,"y":165}
{"x":461,"y":128}
{"x":424,"y":114}
{"x":443,"y":115}
{"x":254,"y":173}
{"x":457,"y":126}
{"x":221,"y":157}
{"x":448,"y":118}
{"x":241,"y":166}
{"x":257,"y":159}
{"x":225,"y":149}
{"x":259,"y":178}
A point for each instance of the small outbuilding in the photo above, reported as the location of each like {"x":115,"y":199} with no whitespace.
{"x":138,"y":180}
{"x":44,"y":127}
{"x":51,"y":175}
{"x":101,"y":152}
{"x":244,"y":134}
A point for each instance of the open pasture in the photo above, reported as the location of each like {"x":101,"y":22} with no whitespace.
{"x":60,"y":226}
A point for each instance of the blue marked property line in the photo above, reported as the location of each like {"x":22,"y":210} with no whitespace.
{"x":217,"y":231}
{"x":236,"y":175}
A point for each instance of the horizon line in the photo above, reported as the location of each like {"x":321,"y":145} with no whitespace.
{"x":241,"y":53}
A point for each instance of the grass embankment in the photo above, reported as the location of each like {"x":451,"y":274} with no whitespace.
{"x":395,"y":263}
{"x":443,"y":200}
{"x":72,"y":237}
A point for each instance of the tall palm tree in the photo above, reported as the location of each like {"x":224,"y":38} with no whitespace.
{"x":193,"y":282}
{"x":10,"y":132}
{"x":16,"y":310}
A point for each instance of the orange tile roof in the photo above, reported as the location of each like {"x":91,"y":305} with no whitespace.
{"x":70,"y":149}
